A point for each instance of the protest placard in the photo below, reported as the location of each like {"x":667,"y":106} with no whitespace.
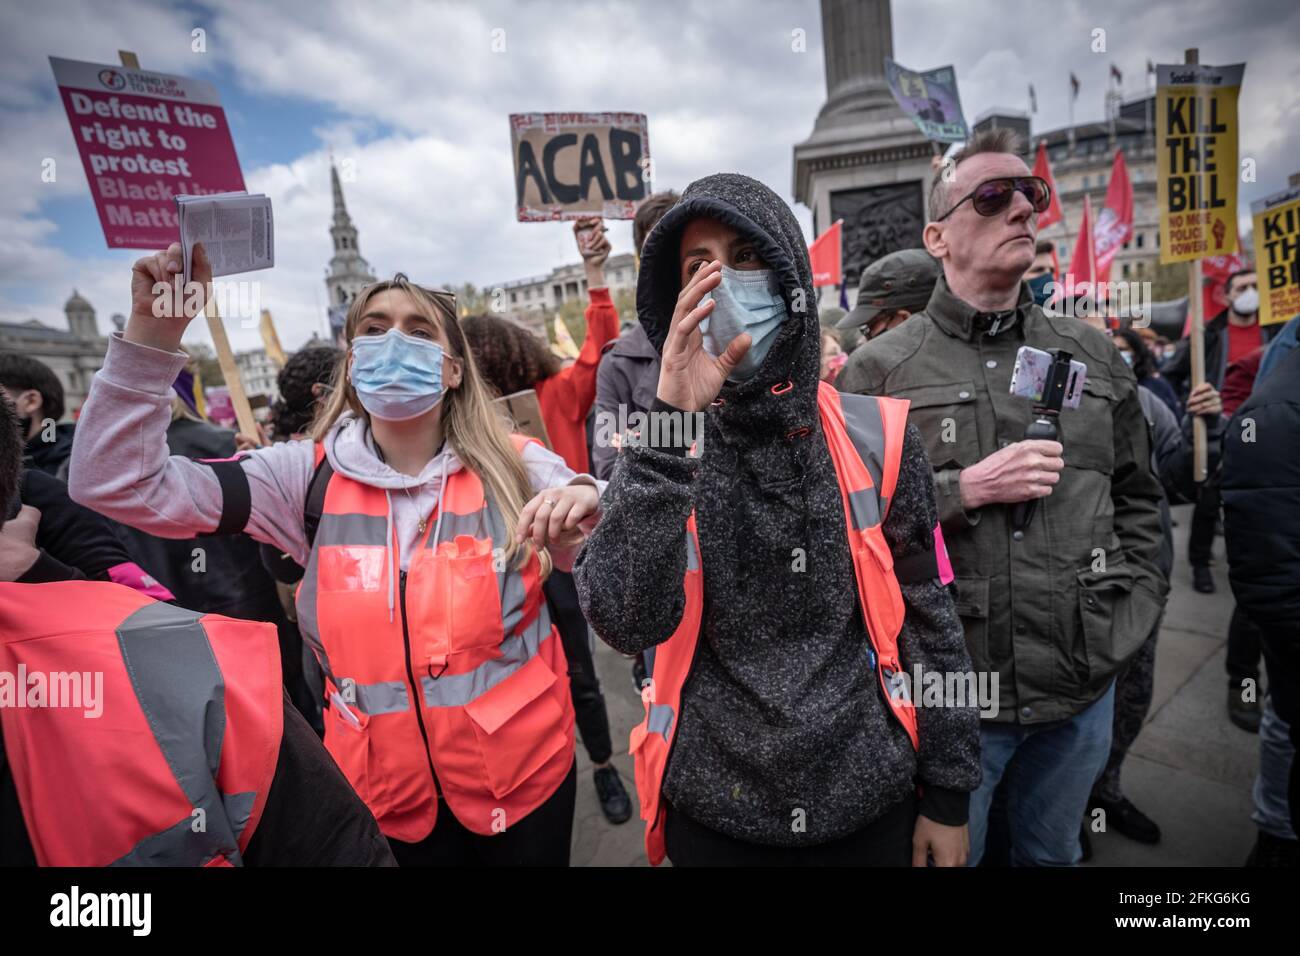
{"x":1196,"y":159}
{"x":145,"y":137}
{"x":572,"y":165}
{"x":1277,"y":255}
{"x":930,"y":100}
{"x":526,"y":413}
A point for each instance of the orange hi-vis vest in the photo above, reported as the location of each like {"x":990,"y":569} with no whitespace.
{"x":157,"y":732}
{"x":865,"y":438}
{"x":464,"y":690}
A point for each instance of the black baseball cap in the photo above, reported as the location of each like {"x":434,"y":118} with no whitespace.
{"x":900,"y":280}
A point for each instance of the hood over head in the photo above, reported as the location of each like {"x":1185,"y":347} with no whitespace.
{"x":758,"y":213}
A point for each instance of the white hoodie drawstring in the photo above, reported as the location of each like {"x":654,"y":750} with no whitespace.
{"x":388,"y":548}
{"x":437,"y":527}
{"x":388,"y":538}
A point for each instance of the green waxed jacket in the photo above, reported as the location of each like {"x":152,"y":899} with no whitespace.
{"x":1057,"y":613}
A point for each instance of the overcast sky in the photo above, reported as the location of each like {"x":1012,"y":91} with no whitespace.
{"x":413,"y":95}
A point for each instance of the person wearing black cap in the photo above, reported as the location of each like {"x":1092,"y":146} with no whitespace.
{"x":891,"y":289}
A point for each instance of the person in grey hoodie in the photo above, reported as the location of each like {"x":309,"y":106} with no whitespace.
{"x":782,"y":711}
{"x":407,"y":411}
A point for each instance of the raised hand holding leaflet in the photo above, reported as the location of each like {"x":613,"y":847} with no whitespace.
{"x":235,"y":228}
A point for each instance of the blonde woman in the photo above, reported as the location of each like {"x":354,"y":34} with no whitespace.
{"x":426,"y":529}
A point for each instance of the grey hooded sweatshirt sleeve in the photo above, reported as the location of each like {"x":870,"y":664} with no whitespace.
{"x":781,"y":711}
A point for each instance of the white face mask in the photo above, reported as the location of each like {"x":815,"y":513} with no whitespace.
{"x":1246,"y":303}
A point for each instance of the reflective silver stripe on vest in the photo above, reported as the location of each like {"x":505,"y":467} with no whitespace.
{"x":692,"y":552}
{"x":660,"y":720}
{"x":182,"y":693}
{"x":385,"y":697}
{"x":457,"y":690}
{"x":454,"y":525}
{"x":345,"y":529}
{"x":306,"y":605}
{"x":864,"y":505}
{"x":866,"y":430}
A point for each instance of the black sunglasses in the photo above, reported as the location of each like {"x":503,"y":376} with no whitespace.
{"x":994,"y":195}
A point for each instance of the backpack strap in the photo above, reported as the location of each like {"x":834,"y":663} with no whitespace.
{"x":314,"y":505}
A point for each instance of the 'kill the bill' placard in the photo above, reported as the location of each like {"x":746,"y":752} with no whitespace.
{"x":574,"y":165}
{"x":144,"y":138}
{"x":1277,"y":255}
{"x":1196,"y":159}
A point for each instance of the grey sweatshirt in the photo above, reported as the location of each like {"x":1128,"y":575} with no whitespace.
{"x":121,"y":468}
{"x":781,"y":711}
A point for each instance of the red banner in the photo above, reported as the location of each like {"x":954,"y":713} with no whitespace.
{"x":145,"y":137}
{"x":1083,"y":257}
{"x":1043,"y":170}
{"x":824,"y":255}
{"x":1115,"y":224}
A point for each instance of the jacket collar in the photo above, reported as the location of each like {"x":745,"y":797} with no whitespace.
{"x":634,"y":343}
{"x":962,"y":320}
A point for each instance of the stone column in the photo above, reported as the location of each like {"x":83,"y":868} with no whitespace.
{"x":865,"y":161}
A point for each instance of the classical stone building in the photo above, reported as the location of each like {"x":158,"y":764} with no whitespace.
{"x":531,"y":301}
{"x":75,"y":353}
{"x":258,"y":373}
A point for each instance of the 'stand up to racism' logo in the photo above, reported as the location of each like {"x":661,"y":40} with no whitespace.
{"x":112,"y":79}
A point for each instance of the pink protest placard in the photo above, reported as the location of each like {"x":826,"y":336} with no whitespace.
{"x":145,"y":137}
{"x":220,"y":408}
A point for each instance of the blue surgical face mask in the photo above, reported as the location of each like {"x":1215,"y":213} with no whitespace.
{"x":397,"y":376}
{"x":1038,"y":286}
{"x":747,"y":301}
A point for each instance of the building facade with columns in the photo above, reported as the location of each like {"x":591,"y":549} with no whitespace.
{"x":532,"y":300}
{"x":75,"y":353}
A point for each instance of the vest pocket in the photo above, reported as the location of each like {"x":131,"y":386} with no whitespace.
{"x":518,"y":725}
{"x":347,"y":738}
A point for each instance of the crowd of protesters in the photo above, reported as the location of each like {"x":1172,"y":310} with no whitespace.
{"x":839,"y":512}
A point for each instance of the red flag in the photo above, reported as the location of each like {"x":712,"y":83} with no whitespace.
{"x":1115,"y":224}
{"x":1043,"y":170}
{"x":1079,"y":277}
{"x":824,"y":256}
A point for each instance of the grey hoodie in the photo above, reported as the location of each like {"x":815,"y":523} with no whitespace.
{"x":781,"y":711}
{"x":121,"y":468}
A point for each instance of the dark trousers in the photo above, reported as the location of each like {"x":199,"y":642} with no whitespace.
{"x":1205,"y":518}
{"x":1243,"y":651}
{"x":1281,"y":648}
{"x":1133,"y":692}
{"x":588,"y":702}
{"x":540,"y":839}
{"x":886,"y":841}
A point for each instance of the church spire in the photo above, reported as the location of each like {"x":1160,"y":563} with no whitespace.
{"x":341,"y":217}
{"x":348,"y":272}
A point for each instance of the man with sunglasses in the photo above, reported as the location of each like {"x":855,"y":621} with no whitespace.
{"x":1055,"y":609}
